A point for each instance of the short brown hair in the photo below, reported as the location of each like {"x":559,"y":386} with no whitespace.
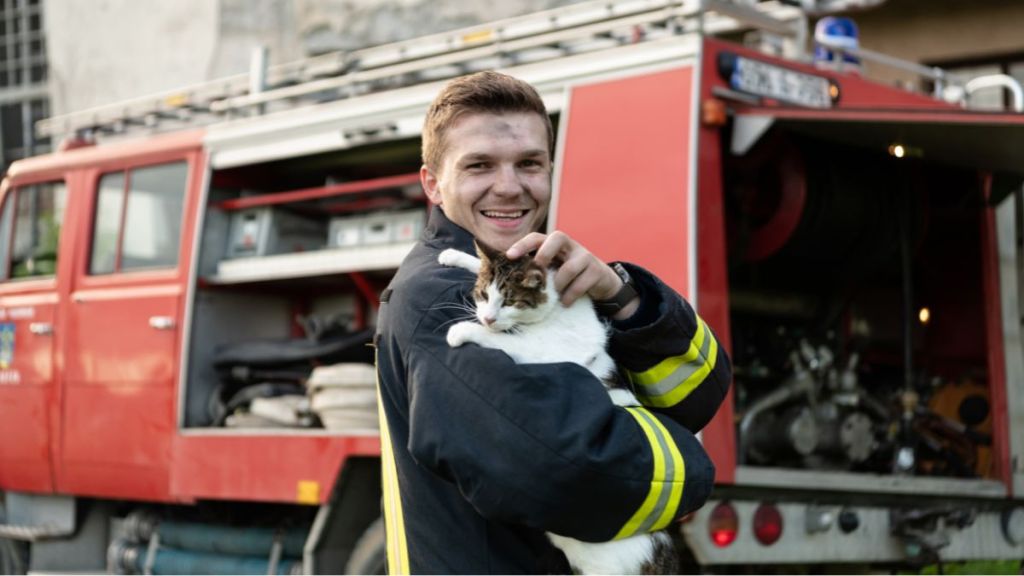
{"x":486,"y":91}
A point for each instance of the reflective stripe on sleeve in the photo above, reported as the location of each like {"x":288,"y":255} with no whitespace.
{"x":672,"y":379}
{"x":394,"y":520}
{"x":666,"y":492}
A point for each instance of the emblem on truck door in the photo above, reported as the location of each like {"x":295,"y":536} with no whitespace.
{"x":6,"y":345}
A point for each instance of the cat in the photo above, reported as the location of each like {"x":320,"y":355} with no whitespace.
{"x":519,"y":313}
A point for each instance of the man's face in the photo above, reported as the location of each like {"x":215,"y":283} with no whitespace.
{"x":495,"y":176}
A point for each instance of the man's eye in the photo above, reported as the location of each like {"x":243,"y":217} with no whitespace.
{"x":530,"y":163}
{"x":477,"y":166}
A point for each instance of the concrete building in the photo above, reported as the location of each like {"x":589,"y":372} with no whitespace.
{"x":58,"y":56}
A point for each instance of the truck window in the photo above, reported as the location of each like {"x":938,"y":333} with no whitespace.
{"x":30,"y":230}
{"x":137,"y":224}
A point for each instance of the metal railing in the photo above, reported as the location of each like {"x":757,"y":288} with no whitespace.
{"x":550,"y":34}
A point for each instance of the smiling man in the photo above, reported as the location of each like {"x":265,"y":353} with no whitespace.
{"x":480,"y":455}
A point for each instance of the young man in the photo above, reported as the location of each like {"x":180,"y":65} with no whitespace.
{"x":481,"y":456}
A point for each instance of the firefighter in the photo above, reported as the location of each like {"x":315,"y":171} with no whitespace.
{"x":481,"y":456}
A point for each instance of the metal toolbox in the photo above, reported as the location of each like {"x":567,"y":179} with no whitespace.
{"x":376,"y":228}
{"x":268,"y":230}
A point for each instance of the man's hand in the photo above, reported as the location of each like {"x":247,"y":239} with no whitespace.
{"x":579,"y":271}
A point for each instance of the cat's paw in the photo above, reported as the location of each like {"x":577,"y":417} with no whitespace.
{"x":450,"y":257}
{"x":456,"y":259}
{"x":623,"y":397}
{"x":463,"y":333}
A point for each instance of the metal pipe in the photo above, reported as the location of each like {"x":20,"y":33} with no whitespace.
{"x":229,"y":539}
{"x":997,"y":81}
{"x":906,"y":262}
{"x":800,"y":384}
{"x":132,"y":559}
{"x":884,"y":59}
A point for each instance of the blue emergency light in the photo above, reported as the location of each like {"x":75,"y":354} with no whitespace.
{"x":836,"y":31}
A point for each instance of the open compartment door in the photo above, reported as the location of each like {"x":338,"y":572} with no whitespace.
{"x":625,"y":172}
{"x":886,"y":252}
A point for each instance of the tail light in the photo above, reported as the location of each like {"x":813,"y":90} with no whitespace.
{"x":723,"y":524}
{"x":767,"y":524}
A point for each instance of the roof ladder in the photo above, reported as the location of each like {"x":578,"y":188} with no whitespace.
{"x":580,"y":27}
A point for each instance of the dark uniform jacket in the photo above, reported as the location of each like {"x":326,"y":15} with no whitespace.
{"x":481,"y":456}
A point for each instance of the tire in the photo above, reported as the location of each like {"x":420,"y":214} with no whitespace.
{"x":369,"y":555}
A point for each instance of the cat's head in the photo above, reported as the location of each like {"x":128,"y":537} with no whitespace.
{"x":509,"y":293}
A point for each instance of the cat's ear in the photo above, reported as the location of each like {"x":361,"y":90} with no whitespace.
{"x":533,"y":279}
{"x":486,"y":252}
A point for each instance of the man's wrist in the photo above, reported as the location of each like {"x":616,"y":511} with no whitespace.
{"x":624,"y":301}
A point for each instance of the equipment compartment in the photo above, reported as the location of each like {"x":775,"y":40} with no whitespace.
{"x":277,"y":294}
{"x":857,"y":310}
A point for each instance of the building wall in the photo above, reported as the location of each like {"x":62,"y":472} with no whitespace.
{"x":942,"y":31}
{"x":327,"y":25}
{"x":103,"y":51}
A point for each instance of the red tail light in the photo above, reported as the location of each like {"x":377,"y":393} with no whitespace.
{"x":767,"y":524}
{"x":723,"y":524}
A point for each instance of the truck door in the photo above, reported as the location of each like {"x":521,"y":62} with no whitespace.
{"x":123,"y":320}
{"x":31,"y":220}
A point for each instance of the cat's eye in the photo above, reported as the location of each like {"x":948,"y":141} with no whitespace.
{"x":480,"y":295}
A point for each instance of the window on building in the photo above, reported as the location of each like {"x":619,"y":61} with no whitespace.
{"x":23,"y":79}
{"x":30,"y":230}
{"x":137,"y":222}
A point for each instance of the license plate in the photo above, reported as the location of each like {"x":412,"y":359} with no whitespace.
{"x":781,"y":84}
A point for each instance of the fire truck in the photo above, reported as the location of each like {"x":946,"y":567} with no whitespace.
{"x":188,"y":286}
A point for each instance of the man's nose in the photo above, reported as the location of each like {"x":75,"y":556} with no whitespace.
{"x":506,"y":181}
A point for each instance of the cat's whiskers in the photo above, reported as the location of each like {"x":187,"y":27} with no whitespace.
{"x":467,"y":307}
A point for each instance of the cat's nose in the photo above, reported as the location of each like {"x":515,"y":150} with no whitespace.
{"x":487,"y":320}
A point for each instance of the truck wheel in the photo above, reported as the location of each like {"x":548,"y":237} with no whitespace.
{"x":13,"y":556}
{"x":369,"y":555}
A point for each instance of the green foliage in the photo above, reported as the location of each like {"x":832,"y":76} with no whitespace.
{"x":973,"y":567}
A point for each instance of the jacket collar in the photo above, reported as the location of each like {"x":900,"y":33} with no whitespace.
{"x":442,"y":232}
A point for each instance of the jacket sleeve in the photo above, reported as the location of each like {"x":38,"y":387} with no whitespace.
{"x":542,"y":445}
{"x":670,"y":356}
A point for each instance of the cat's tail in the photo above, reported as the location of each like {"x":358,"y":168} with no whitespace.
{"x":664,"y":558}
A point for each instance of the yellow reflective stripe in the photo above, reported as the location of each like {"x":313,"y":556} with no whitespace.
{"x":676,"y":482}
{"x":673,"y":379}
{"x":666,"y":491}
{"x":666,"y":367}
{"x":394,"y":521}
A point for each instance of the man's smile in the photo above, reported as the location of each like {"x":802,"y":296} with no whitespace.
{"x":504,"y":214}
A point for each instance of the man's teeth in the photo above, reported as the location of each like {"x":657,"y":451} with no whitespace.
{"x":508,"y":215}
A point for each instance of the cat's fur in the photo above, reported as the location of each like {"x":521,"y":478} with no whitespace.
{"x":519,"y":313}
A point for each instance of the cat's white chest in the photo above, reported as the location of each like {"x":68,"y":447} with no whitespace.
{"x":568,"y":335}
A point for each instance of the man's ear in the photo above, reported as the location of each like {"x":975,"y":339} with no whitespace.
{"x":430,"y":185}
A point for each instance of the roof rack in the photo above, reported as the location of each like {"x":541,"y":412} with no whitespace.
{"x":585,"y":26}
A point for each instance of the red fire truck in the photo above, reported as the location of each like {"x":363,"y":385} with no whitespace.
{"x":187,"y":287}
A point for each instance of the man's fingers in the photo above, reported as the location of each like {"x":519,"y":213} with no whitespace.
{"x":525,"y":245}
{"x":579,"y":272}
{"x":557,"y":247}
{"x":580,"y":285}
{"x":568,"y":272}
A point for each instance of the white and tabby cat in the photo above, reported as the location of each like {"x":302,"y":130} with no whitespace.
{"x":520,"y":314}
